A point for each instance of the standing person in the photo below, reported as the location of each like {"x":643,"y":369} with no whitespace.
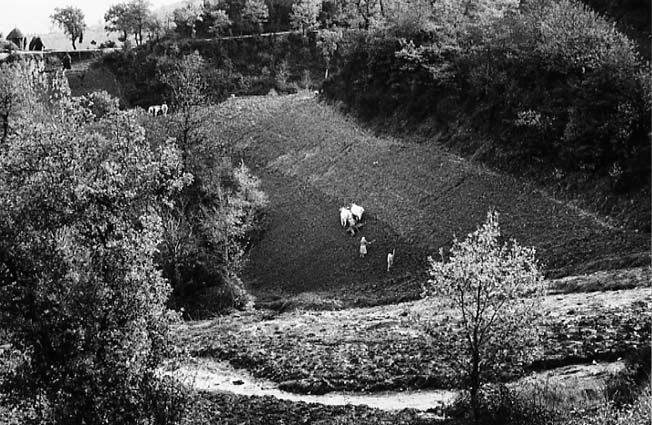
{"x":390,"y":259}
{"x":67,"y":61}
{"x":363,"y":246}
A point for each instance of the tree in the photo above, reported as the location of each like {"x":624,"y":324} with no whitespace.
{"x":304,"y":15}
{"x":256,"y":14}
{"x":495,"y":292}
{"x":221,"y":22}
{"x":207,"y":225}
{"x":279,"y":13}
{"x":118,"y":20}
{"x":154,"y":27}
{"x":140,"y":15}
{"x":327,"y":42}
{"x":186,"y":19}
{"x":80,"y":295}
{"x":129,"y":18}
{"x":71,"y":19}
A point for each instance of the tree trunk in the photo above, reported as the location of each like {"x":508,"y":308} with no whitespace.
{"x":475,"y":384}
{"x":74,"y":47}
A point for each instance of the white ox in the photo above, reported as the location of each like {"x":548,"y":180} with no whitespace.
{"x":346,"y":216}
{"x":154,"y":110}
{"x":158,"y":109}
{"x":357,"y":211}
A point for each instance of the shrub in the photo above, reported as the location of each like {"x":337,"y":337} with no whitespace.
{"x":207,"y":225}
{"x":80,"y":295}
{"x":100,"y":104}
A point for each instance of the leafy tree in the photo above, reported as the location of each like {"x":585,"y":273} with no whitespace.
{"x":132,"y":17}
{"x":221,"y":22}
{"x":495,"y":292}
{"x":154,"y":27}
{"x":71,"y":19}
{"x":186,"y":19}
{"x":327,"y":42}
{"x":206,"y":228}
{"x":80,"y":294}
{"x":279,"y":13}
{"x":187,"y":87}
{"x":366,"y":12}
{"x":118,"y":20}
{"x":140,"y":16}
{"x":255,"y":13}
{"x":304,"y":14}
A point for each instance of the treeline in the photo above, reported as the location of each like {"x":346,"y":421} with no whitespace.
{"x":104,"y":215}
{"x":249,"y":66}
{"x":546,"y":85}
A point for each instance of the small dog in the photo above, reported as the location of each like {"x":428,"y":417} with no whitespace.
{"x":390,"y":259}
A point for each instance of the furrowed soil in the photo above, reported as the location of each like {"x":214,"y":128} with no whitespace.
{"x":388,"y":348}
{"x":312,"y":160}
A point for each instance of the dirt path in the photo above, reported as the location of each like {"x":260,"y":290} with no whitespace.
{"x":313,"y":159}
{"x":208,"y":375}
{"x":221,"y":377}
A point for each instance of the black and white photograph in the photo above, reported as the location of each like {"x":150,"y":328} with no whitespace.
{"x":325,"y":212}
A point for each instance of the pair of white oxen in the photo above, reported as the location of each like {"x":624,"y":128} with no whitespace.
{"x":350,"y":217}
{"x":158,"y":109}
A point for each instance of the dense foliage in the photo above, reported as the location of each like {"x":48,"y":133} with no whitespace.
{"x":239,"y":67}
{"x":132,"y":18}
{"x":81,"y":297}
{"x":208,"y":228}
{"x":548,"y":83}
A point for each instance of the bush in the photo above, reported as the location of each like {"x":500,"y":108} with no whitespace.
{"x":209,"y":222}
{"x":100,"y":104}
{"x":80,"y":296}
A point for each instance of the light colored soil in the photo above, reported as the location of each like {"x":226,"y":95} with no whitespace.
{"x":209,"y":375}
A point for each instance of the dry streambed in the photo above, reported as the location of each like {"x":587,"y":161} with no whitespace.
{"x":578,"y":381}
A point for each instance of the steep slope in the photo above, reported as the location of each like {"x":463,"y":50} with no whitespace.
{"x":312,"y":160}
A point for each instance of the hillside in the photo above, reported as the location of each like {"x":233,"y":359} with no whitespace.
{"x":312,"y":160}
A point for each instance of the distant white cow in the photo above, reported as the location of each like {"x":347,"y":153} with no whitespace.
{"x":390,"y":259}
{"x":154,"y":110}
{"x":346,"y":216}
{"x":164,"y":108}
{"x":357,"y":211}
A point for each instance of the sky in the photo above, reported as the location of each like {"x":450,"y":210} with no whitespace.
{"x":33,"y":16}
